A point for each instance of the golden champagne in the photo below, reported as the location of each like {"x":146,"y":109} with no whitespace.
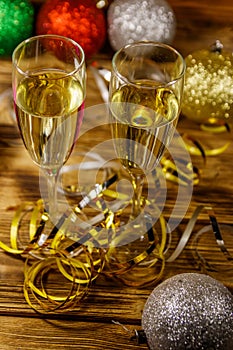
{"x":143,"y":120}
{"x":49,"y":112}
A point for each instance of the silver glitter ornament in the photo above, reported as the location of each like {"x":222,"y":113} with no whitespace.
{"x":189,"y":311}
{"x":135,"y":20}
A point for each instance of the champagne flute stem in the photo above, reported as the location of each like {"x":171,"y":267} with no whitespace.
{"x":137,"y":183}
{"x":51,"y":205}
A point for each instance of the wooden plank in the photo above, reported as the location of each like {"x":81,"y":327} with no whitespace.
{"x":19,"y":333}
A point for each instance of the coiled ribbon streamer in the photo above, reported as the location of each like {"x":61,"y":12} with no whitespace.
{"x":79,"y":262}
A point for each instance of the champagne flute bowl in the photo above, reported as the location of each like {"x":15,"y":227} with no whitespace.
{"x":145,"y":95}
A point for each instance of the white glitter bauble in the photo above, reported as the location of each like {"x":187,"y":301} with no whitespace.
{"x":189,"y":311}
{"x":137,"y":20}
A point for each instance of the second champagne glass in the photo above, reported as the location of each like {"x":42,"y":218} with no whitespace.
{"x":145,"y":94}
{"x":49,"y":87}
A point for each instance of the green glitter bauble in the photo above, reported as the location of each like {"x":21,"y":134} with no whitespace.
{"x":16,"y":24}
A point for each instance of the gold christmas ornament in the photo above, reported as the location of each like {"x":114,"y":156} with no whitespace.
{"x":208,"y":91}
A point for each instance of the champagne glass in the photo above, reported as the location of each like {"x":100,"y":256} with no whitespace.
{"x":48,"y":80}
{"x":145,"y":94}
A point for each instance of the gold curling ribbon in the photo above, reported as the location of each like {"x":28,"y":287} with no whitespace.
{"x":125,"y":270}
{"x":24,"y":207}
{"x":216,"y":128}
{"x":80,"y":271}
{"x":215,"y":229}
{"x":79,"y":262}
{"x":50,"y":256}
{"x":186,"y":235}
{"x":176,"y":175}
{"x":155,"y":247}
{"x":44,"y":301}
{"x":15,"y":227}
{"x":197,"y":149}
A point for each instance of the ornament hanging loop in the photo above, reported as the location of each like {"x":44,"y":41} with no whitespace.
{"x":139,"y":336}
{"x":101,"y":4}
{"x":217,"y":46}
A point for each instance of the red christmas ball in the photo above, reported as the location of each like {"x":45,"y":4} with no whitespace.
{"x":79,"y":20}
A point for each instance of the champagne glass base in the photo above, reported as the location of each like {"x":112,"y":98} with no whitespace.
{"x":138,"y":263}
{"x":83,"y":171}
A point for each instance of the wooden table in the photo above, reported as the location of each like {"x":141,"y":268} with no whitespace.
{"x":90,"y":325}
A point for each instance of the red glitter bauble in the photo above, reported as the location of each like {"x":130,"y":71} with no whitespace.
{"x":79,"y":20}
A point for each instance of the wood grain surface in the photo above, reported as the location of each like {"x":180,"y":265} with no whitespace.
{"x":90,"y":325}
